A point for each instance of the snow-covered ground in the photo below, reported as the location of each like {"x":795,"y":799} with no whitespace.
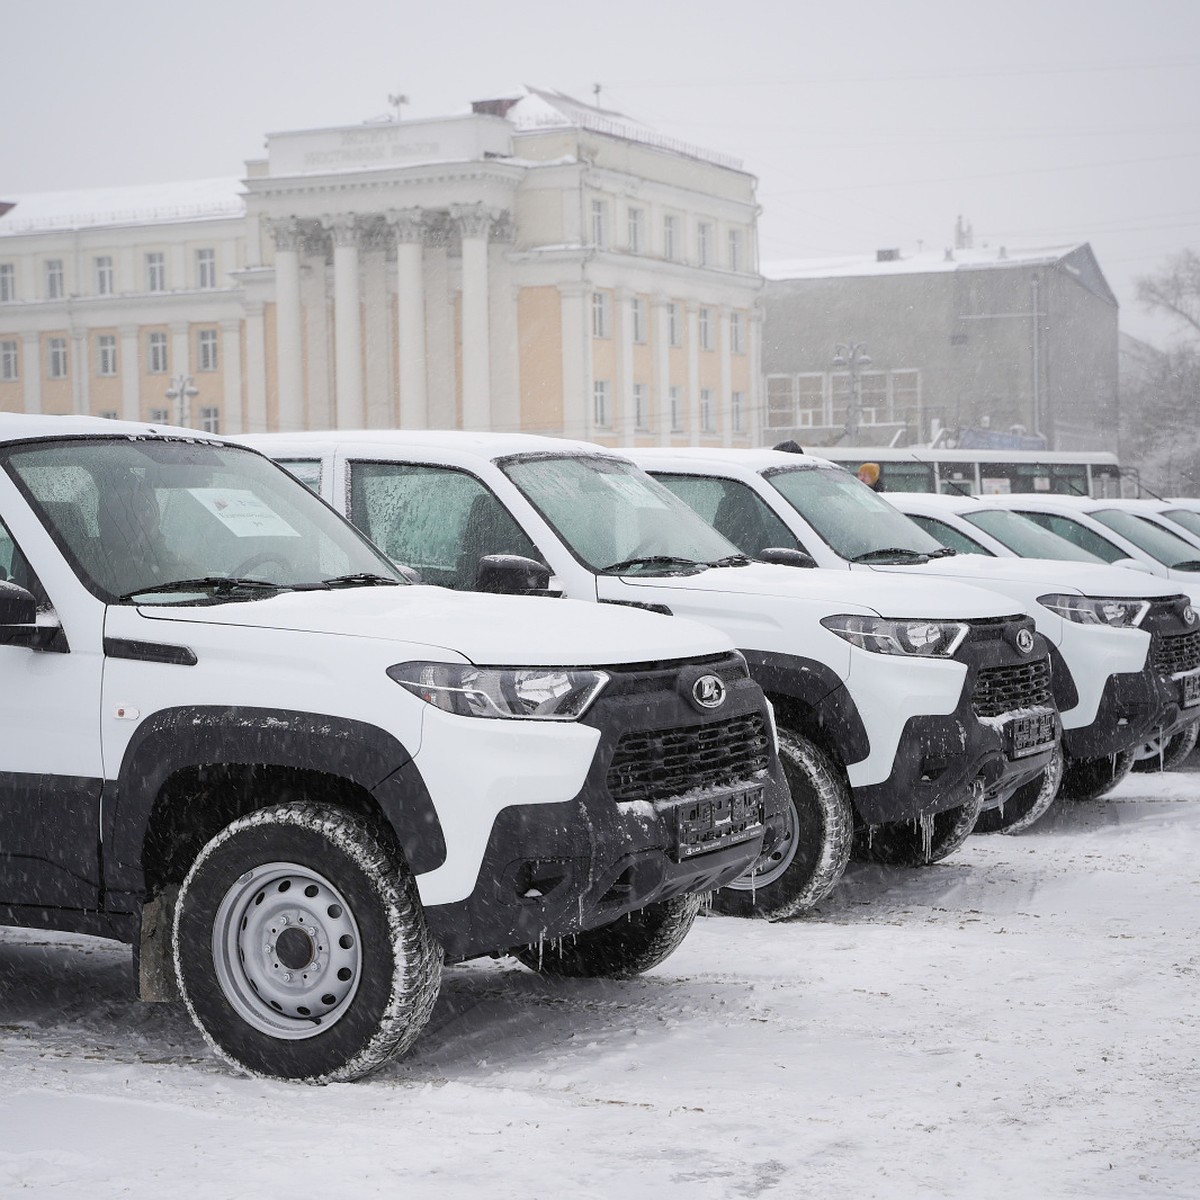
{"x":1018,"y":1021}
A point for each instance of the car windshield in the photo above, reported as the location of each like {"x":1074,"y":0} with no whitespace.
{"x":1026,"y":539}
{"x":1159,"y":543}
{"x":172,"y":521}
{"x":856,"y":522}
{"x":614,"y":517}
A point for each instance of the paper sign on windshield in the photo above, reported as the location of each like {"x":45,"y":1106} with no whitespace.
{"x":243,"y":513}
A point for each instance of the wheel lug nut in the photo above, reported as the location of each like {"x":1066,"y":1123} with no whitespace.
{"x":287,"y":977}
{"x":268,"y":949}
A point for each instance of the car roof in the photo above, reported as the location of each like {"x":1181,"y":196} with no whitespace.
{"x":931,"y":502}
{"x":16,"y":427}
{"x":461,"y":441}
{"x":745,"y":458}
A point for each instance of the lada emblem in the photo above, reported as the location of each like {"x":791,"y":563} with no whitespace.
{"x":708,"y":691}
{"x":1024,"y":641}
{"x":1189,"y":615}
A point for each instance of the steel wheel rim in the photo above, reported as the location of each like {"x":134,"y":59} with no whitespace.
{"x":771,"y":866}
{"x":287,"y":951}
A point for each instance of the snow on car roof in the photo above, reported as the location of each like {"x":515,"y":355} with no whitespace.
{"x":759,"y":459}
{"x":22,"y":426}
{"x":462,"y":441}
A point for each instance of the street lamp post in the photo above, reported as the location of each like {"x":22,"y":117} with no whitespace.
{"x":853,"y":356}
{"x":181,"y":393}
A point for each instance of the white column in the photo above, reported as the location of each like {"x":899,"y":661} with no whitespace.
{"x":408,"y":225}
{"x":80,"y":374}
{"x":577,"y":359}
{"x":662,"y":370}
{"x":130,"y":397}
{"x":622,"y":416}
{"x":289,"y":238}
{"x":377,"y":331}
{"x":756,"y":399}
{"x":725,"y":399}
{"x":314,"y":295}
{"x":31,"y":367}
{"x":347,"y":323}
{"x":256,"y":370}
{"x":693,"y":381}
{"x":439,"y":330}
{"x":505,"y":335}
{"x":474,"y":222}
{"x":231,"y":376}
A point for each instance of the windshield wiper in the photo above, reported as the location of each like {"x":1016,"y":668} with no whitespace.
{"x":651,"y":560}
{"x":944,"y":552}
{"x":1190,"y":564}
{"x":219,"y":585}
{"x":732,"y":560}
{"x":904,"y":553}
{"x":361,"y":579}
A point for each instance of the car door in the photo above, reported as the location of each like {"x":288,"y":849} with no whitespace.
{"x":51,"y":772}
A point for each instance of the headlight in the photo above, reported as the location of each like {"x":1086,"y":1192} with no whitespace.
{"x":928,"y":639}
{"x":533,"y":693}
{"x":1096,"y":610}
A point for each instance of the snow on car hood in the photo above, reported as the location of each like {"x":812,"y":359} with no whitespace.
{"x":1086,"y":579}
{"x":897,"y":597}
{"x":488,"y":630}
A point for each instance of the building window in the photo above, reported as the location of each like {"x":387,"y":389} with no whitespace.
{"x":906,"y":394}
{"x":206,"y":268}
{"x":670,"y":230}
{"x":57,"y":366}
{"x":54,"y":279}
{"x":601,"y":417}
{"x":8,"y":282}
{"x":706,"y":410}
{"x":781,"y":402}
{"x":641,"y":410}
{"x":636,"y":233}
{"x":210,"y":420}
{"x":737,"y":341}
{"x":637,"y":319}
{"x":156,"y":271}
{"x":703,"y":243}
{"x":737,"y":410}
{"x":600,"y":322}
{"x":104,"y":275}
{"x":159,"y":416}
{"x":673,"y":330}
{"x":599,"y":223}
{"x":156,"y":353}
{"x":705,"y":329}
{"x":675,"y":401}
{"x":8,"y":361}
{"x":106,"y":354}
{"x":207,"y":347}
{"x":810,"y":399}
{"x":735,"y":249}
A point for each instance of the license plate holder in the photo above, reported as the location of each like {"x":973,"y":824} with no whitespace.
{"x":715,"y":821}
{"x":1191,"y":689}
{"x":1030,"y":734}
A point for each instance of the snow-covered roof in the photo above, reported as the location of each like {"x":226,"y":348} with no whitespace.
{"x":20,"y":426}
{"x":193,"y":200}
{"x":461,"y":441}
{"x":716,"y":457}
{"x":533,"y":110}
{"x":921,"y":262}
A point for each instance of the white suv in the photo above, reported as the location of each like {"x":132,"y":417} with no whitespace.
{"x":237,"y":738}
{"x":1125,"y":647}
{"x":902,"y":705}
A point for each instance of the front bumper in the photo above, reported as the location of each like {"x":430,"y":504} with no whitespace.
{"x":673,"y":803}
{"x":1001,"y":734}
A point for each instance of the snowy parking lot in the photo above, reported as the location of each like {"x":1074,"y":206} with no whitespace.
{"x":1020,"y":1019}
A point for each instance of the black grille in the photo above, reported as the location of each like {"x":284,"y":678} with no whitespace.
{"x":1003,"y":689}
{"x":670,"y":762}
{"x":1178,"y":653}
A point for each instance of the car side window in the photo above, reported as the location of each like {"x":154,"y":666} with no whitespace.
{"x":440,"y":520}
{"x":733,"y":509}
{"x":15,"y":568}
{"x":949,"y":536}
{"x":1077,"y":534}
{"x":307,"y":470}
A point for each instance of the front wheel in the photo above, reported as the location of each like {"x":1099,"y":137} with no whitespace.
{"x":1027,"y":804}
{"x":1165,"y":754}
{"x":301,"y":948}
{"x":1091,"y":778}
{"x":811,"y":853}
{"x":919,"y":842}
{"x":630,"y":945}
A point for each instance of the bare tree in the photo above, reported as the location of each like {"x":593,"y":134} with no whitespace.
{"x":1175,"y":290}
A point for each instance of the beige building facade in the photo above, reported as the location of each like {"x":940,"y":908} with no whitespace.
{"x":536,"y":264}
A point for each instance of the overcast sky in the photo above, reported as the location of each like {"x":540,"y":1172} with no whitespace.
{"x":868,"y":125}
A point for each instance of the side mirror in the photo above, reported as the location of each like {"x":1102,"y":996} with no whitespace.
{"x":17,"y":606}
{"x":18,"y":621}
{"x":407,"y":572}
{"x":786,"y":557}
{"x":511,"y":575}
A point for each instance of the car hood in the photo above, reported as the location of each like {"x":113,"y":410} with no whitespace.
{"x":487,"y":630}
{"x":898,"y":596}
{"x":1086,"y":579}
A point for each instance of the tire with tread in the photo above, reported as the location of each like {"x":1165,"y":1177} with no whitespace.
{"x":808,"y":860}
{"x":1029,"y":803}
{"x":1091,"y":778}
{"x":315,"y":874}
{"x":1154,"y":756}
{"x":630,"y":945}
{"x":920,"y":842}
